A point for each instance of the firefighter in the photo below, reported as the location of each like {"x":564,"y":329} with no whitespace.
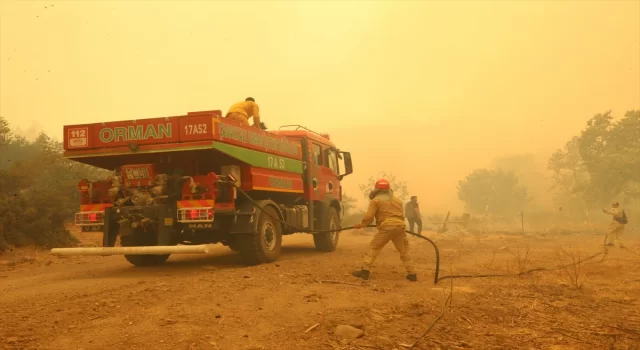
{"x":616,"y":227}
{"x":387,"y":211}
{"x":242,"y":111}
{"x":412,"y":213}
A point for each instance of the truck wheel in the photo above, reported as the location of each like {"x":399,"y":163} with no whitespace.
{"x":264,"y":246}
{"x":142,"y":239}
{"x":328,"y":241}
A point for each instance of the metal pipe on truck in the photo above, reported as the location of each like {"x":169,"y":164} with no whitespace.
{"x":147,"y":250}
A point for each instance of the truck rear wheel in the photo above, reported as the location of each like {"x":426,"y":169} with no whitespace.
{"x":265,"y":244}
{"x":138,"y":239}
{"x":328,"y":241}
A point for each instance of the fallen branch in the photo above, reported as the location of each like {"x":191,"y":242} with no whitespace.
{"x":347,"y":345}
{"x":427,"y":331}
{"x":521,"y":273}
{"x":312,"y":327}
{"x":633,"y":252}
{"x":564,"y":332}
{"x":431,"y":325}
{"x":340,"y":282}
{"x":451,"y":288}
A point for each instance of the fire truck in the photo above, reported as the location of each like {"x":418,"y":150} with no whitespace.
{"x":181,"y":184}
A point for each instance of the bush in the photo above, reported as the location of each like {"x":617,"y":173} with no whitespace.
{"x":38,"y":191}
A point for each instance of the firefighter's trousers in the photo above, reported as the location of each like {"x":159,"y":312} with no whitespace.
{"x":614,"y":233}
{"x":399,"y":239}
{"x":239,"y":117}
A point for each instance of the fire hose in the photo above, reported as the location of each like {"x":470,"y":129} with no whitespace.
{"x":300,"y":229}
{"x":436,"y":277}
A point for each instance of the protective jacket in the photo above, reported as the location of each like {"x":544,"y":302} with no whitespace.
{"x":247,"y":109}
{"x":385,"y":209}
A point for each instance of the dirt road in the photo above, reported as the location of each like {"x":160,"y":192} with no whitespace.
{"x":214,"y":302}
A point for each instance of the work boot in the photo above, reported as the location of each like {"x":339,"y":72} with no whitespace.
{"x":412,"y":277}
{"x":364,"y":274}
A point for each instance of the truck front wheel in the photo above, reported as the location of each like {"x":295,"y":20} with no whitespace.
{"x":328,"y":241}
{"x":138,"y":239}
{"x":265,"y":244}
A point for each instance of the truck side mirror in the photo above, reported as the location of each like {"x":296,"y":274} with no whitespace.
{"x":348,"y":166}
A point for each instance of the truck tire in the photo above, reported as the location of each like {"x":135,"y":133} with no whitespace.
{"x":142,"y":239}
{"x":265,"y":244}
{"x":328,"y":241}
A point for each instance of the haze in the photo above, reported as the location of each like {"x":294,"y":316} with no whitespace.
{"x":428,"y":91}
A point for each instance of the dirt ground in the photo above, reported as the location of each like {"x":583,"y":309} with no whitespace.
{"x":214,"y":302}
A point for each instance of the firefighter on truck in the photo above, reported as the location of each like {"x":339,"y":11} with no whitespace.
{"x":242,"y":111}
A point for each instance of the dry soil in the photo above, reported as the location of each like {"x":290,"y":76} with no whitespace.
{"x":214,"y":302}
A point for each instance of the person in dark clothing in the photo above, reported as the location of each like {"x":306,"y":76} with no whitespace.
{"x":412,"y":213}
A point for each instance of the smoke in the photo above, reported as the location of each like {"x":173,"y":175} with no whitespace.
{"x":31,"y":132}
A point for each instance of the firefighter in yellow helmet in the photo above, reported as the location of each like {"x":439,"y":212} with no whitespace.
{"x":242,"y":111}
{"x":387,"y":210}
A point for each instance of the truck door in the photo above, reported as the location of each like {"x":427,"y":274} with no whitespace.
{"x":319,"y":176}
{"x":313,"y":177}
{"x":331,"y":171}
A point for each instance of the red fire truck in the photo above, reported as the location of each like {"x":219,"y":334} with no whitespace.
{"x":183,"y":183}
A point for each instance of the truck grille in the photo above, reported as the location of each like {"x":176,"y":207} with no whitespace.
{"x":187,"y":215}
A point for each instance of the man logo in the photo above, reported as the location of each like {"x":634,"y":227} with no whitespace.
{"x":200,"y":225}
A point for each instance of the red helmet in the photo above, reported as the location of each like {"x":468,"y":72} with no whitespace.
{"x":382,"y":184}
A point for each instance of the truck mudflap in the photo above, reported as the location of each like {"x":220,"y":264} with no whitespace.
{"x":142,"y":250}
